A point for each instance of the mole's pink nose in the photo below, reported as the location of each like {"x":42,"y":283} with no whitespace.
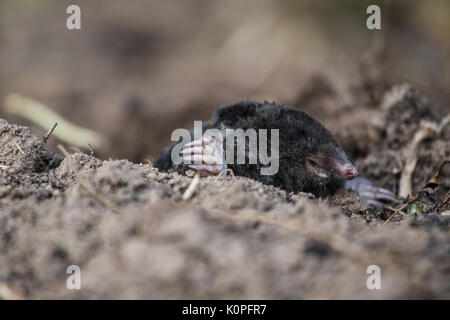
{"x":350,"y":171}
{"x":346,"y":170}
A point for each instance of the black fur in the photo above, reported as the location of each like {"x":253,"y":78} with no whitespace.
{"x":299,"y":136}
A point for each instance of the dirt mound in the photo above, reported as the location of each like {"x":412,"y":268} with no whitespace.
{"x":23,"y":152}
{"x":414,"y":133}
{"x":135,"y":234}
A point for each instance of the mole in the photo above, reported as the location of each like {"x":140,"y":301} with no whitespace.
{"x":309,"y":157}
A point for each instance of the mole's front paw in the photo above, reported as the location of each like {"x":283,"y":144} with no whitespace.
{"x":372,"y":195}
{"x":205,"y":155}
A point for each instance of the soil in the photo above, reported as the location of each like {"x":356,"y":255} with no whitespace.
{"x":136,"y":72}
{"x":133,"y":235}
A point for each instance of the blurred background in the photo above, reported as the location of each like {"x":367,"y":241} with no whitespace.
{"x":139,"y":69}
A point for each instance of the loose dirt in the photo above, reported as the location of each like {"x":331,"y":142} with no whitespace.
{"x":129,"y":230}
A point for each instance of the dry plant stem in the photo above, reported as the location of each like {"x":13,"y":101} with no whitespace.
{"x":63,"y":150}
{"x":443,"y":123}
{"x":405,"y":185}
{"x":438,"y":173}
{"x":399,"y":210}
{"x":192,"y":186}
{"x":48,"y":134}
{"x":223,"y":171}
{"x":75,"y":149}
{"x":19,"y":148}
{"x":405,"y":188}
{"x":43,"y":116}
{"x":49,"y":165}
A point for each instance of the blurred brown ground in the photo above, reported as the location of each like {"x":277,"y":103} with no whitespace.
{"x":139,"y":69}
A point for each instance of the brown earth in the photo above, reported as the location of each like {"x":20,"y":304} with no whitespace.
{"x":133,"y":235}
{"x":140,"y":69}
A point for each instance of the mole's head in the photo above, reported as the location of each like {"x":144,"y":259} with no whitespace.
{"x":318,"y":155}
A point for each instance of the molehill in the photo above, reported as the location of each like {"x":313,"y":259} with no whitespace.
{"x":135,"y":232}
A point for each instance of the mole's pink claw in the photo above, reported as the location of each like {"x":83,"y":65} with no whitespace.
{"x":374,"y":203}
{"x":200,"y":142}
{"x":382,"y":194}
{"x":207,"y":154}
{"x":201,"y":159}
{"x":369,"y":193}
{"x":194,"y":150}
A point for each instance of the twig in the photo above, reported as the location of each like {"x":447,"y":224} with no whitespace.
{"x":49,"y":165}
{"x":443,"y":123}
{"x":438,"y":173}
{"x":405,"y":188}
{"x":225,"y":171}
{"x":405,"y":184}
{"x":19,"y":148}
{"x":41,"y":114}
{"x":49,"y":132}
{"x":190,"y":190}
{"x":399,"y":210}
{"x":63,"y":150}
{"x":75,"y":149}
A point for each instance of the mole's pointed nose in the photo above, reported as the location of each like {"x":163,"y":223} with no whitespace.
{"x":345,"y":169}
{"x":348,"y":171}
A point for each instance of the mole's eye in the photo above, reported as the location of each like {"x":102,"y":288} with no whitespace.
{"x":312,"y":162}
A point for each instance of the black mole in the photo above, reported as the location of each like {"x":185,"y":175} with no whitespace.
{"x":309,"y":157}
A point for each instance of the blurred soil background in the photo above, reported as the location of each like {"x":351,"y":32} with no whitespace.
{"x":138,"y":70}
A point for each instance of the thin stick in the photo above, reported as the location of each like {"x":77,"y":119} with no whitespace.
{"x":45,"y":117}
{"x":405,"y":183}
{"x":49,"y":132}
{"x":225,"y":171}
{"x":63,"y":150}
{"x":49,"y":165}
{"x":19,"y":148}
{"x":438,"y":173}
{"x":399,"y":210}
{"x":190,"y":190}
{"x":428,"y":129}
{"x":75,"y":149}
{"x":443,"y":123}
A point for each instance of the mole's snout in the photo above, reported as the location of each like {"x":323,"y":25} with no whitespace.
{"x":347,"y":171}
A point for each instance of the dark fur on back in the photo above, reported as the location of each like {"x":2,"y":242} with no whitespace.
{"x":299,"y":136}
